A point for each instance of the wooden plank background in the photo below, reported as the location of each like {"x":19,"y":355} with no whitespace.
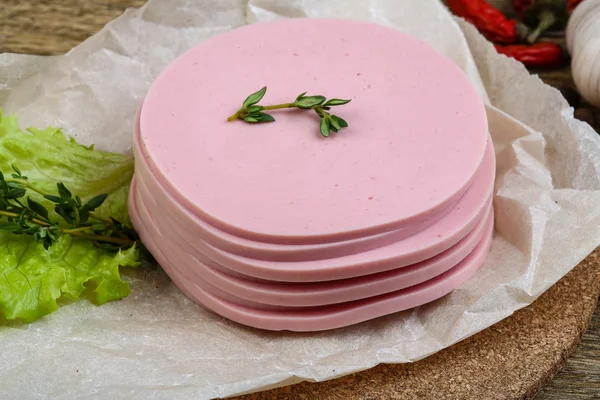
{"x":55,"y":26}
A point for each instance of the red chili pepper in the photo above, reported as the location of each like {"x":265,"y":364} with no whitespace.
{"x":539,"y":55}
{"x":487,"y":19}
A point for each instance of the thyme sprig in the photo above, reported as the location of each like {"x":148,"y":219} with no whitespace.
{"x":252,"y":112}
{"x":25,"y":216}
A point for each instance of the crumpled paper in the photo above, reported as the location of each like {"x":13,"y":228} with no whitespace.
{"x":158,"y":344}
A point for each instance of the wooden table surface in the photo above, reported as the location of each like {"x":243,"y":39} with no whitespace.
{"x":55,"y":26}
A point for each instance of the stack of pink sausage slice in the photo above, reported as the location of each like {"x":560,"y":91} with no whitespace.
{"x":273,"y":225}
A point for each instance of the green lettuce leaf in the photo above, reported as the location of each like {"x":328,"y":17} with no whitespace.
{"x":32,"y":279}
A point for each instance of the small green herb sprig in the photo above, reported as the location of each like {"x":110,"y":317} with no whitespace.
{"x":26,"y":216}
{"x":252,"y":112}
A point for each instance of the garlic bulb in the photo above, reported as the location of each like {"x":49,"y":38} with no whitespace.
{"x":583,"y":42}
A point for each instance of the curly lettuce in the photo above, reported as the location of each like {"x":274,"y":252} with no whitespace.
{"x":32,"y":279}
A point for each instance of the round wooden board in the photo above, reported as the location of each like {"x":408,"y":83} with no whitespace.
{"x":511,"y":360}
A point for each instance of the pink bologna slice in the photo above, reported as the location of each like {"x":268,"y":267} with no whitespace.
{"x":417,"y":132}
{"x":198,"y":229}
{"x":426,"y":244}
{"x":308,"y":294}
{"x":319,"y":318}
{"x":178,"y":261}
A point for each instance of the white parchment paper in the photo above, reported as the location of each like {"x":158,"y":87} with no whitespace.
{"x":158,"y":344}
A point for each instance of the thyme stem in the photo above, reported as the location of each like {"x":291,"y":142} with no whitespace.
{"x":252,"y":112}
{"x":28,"y":217}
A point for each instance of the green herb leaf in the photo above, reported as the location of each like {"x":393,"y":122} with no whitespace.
{"x":262,"y":117}
{"x":254,"y":98}
{"x":336,"y":102}
{"x":324,"y":127}
{"x":96,"y":201}
{"x":29,"y":225}
{"x":301,"y":95}
{"x":15,"y":193}
{"x":84,"y":214}
{"x":14,"y":184}
{"x":341,"y":121}
{"x":37,"y":208}
{"x":18,"y":174}
{"x":253,"y":109}
{"x":54,"y":199}
{"x":309,"y":102}
{"x":334,"y":123}
{"x":65,"y":214}
{"x":63,"y":191}
{"x":250,"y":118}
